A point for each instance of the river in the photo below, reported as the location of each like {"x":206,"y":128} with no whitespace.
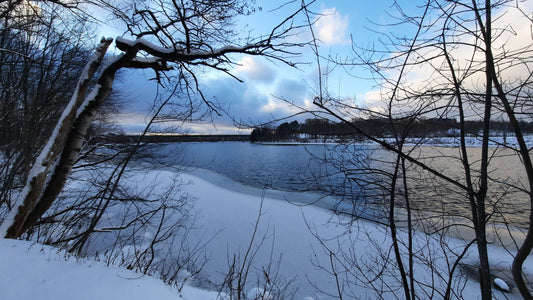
{"x":325,"y":170}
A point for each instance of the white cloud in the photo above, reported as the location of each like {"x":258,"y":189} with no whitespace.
{"x":427,"y":69}
{"x":281,"y":109}
{"x":209,"y":128}
{"x":254,"y":69}
{"x":372,"y":101}
{"x":332,"y":28}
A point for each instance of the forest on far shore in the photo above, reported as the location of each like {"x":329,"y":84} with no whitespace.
{"x":378,"y":127}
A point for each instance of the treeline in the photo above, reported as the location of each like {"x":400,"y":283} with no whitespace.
{"x":313,"y":129}
{"x":168,"y":138}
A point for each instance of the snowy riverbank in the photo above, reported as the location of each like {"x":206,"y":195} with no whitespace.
{"x":286,"y":242}
{"x":294,"y":230}
{"x":471,"y":141}
{"x":35,"y":271}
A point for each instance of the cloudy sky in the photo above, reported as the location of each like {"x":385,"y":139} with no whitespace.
{"x":257,"y":99}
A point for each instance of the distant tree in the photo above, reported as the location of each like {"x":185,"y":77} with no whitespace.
{"x":255,"y":135}
{"x":263,"y":134}
{"x":294,"y":127}
{"x":283,"y":131}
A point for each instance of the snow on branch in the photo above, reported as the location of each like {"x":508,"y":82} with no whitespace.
{"x":179,"y":54}
{"x":154,"y":63}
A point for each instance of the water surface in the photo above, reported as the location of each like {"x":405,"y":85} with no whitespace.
{"x":329,"y":170}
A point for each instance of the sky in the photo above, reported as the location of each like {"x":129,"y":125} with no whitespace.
{"x":257,"y":99}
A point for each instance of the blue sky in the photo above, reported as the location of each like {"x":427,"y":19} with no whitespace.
{"x":257,"y":99}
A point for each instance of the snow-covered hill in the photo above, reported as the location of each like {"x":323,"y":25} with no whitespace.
{"x":34,"y":271}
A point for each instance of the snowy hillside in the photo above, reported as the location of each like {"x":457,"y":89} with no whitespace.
{"x":34,"y":271}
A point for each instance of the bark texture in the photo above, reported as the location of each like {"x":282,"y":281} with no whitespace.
{"x":13,"y":224}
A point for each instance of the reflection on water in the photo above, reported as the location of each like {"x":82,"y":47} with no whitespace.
{"x":303,"y":168}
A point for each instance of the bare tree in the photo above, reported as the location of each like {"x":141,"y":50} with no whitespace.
{"x":182,"y":36}
{"x":176,"y":40}
{"x":41,"y":59}
{"x":458,"y":65}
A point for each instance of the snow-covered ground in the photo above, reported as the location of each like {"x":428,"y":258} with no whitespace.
{"x":471,"y":141}
{"x":292,"y":232}
{"x":286,"y":242}
{"x":35,"y":271}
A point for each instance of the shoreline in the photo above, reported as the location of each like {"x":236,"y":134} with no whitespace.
{"x":297,"y":198}
{"x":289,"y":237}
{"x":428,"y":222}
{"x":452,"y":142}
{"x":331,"y":226}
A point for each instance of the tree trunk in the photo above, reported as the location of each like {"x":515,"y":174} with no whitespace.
{"x":12,"y":226}
{"x":69,"y":155}
{"x":76,"y":138}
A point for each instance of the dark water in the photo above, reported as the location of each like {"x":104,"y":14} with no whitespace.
{"x":329,"y":170}
{"x":283,"y":167}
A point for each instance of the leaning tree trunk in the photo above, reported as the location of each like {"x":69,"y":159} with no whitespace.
{"x":77,"y":137}
{"x":70,"y":154}
{"x":51,"y":168}
{"x":80,"y":126}
{"x":12,"y":226}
